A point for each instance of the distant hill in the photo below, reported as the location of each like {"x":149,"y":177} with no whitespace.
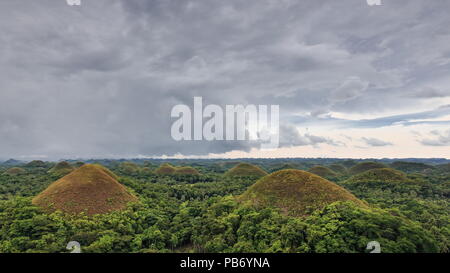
{"x":62,"y":168}
{"x":165,"y":168}
{"x":15,"y":171}
{"x":284,"y":166}
{"x":348,"y":163}
{"x":186,"y":171}
{"x":383,"y":186}
{"x":92,"y":189}
{"x":380,"y":175}
{"x":78,"y":164}
{"x":36,"y":164}
{"x":338,"y":168}
{"x":129,"y":168}
{"x":246,"y":169}
{"x":410,"y":166}
{"x":296,"y":193}
{"x":365,"y":166}
{"x":146,"y":170}
{"x":228,"y":164}
{"x":11,"y":162}
{"x":322,"y":172}
{"x":444,"y":167}
{"x":168,"y":169}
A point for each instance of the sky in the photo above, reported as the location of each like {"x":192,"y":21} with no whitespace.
{"x":99,"y":80}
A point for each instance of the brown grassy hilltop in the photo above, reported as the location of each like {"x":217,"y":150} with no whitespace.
{"x":168,"y":169}
{"x":36,"y":164}
{"x":338,"y":168}
{"x":322,"y":172}
{"x":165,"y":168}
{"x":296,"y":193}
{"x":129,"y":168}
{"x":62,"y":168}
{"x":387,"y":175}
{"x":245,"y":169}
{"x":365,"y":166}
{"x":15,"y":171}
{"x":186,"y":171}
{"x":92,"y":189}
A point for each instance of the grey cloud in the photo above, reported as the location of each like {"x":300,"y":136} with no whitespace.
{"x":290,"y":136}
{"x":430,"y":92}
{"x":375,"y":142}
{"x":439,"y":139}
{"x":405,"y":119}
{"x":351,"y":88}
{"x":360,"y":147}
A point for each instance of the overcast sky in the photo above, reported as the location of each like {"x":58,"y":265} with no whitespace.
{"x":100,"y":79}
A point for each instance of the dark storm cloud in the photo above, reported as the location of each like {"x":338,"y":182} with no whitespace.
{"x":100,"y":79}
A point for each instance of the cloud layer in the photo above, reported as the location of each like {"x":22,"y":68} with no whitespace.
{"x":99,"y":80}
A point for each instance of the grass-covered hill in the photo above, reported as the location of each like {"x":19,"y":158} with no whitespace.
{"x":443,"y":168}
{"x":386,"y":175}
{"x":365,"y":166}
{"x":245,"y":170}
{"x":129,"y":168}
{"x":410,"y":167}
{"x":323,"y":172}
{"x":11,"y":162}
{"x":348,"y":163}
{"x":338,"y":168}
{"x":390,"y":186}
{"x":227,"y":164}
{"x":91,"y":189}
{"x":15,"y":171}
{"x":62,"y":168}
{"x":165,"y":168}
{"x":78,"y":164}
{"x":168,"y":169}
{"x":186,"y":171}
{"x":296,"y":193}
{"x":285,"y":166}
{"x":36,"y":164}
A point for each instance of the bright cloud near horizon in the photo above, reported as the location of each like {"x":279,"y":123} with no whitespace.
{"x":100,"y":79}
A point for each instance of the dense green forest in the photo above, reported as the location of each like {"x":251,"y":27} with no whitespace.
{"x":406,"y":209}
